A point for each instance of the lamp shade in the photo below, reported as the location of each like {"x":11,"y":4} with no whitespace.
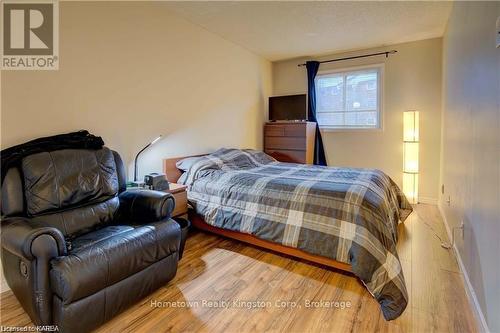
{"x":410,"y":157}
{"x":410,"y":187}
{"x":156,"y":140}
{"x":410,"y":126}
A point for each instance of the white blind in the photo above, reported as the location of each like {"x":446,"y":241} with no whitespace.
{"x":348,"y":99}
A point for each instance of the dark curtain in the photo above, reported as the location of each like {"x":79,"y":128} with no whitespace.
{"x":319,"y":151}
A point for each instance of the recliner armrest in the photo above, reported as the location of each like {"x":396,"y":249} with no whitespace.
{"x":18,"y":235}
{"x":144,"y":206}
{"x":35,"y":245}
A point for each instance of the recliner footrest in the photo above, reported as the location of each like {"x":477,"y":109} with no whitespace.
{"x":127,"y":250}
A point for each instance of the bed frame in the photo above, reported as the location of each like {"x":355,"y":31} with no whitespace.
{"x":173,"y":175}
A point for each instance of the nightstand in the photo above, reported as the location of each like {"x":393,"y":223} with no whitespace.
{"x":181,"y":204}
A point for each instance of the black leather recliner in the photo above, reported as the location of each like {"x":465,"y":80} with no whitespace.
{"x":77,"y":248}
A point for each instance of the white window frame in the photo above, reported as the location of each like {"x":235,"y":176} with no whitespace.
{"x":380,"y":97}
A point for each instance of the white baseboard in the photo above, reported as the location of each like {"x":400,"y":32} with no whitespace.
{"x":427,"y":200}
{"x":471,"y":294}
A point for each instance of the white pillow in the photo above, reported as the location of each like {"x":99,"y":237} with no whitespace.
{"x":186,"y":163}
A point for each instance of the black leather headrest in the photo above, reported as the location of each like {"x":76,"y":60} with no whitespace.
{"x":64,"y":178}
{"x":12,"y":194}
{"x":12,"y":190}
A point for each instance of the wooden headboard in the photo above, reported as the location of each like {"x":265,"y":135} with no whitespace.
{"x":170,"y":169}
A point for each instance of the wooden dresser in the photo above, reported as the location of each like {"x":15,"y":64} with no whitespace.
{"x":290,"y":141}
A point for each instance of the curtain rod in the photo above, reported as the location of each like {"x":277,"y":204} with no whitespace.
{"x":356,"y":57}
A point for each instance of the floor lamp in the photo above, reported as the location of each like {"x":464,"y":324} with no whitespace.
{"x":410,"y":155}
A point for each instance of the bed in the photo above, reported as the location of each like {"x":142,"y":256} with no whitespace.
{"x":344,"y":218}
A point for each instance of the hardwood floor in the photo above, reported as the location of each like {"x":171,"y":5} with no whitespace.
{"x":217,"y":269}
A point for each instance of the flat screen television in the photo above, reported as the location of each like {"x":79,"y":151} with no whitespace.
{"x":291,"y":107}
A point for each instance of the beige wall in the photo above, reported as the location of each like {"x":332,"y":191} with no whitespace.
{"x":471,"y":147}
{"x":131,"y":71}
{"x":412,"y":81}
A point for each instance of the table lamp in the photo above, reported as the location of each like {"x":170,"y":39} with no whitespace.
{"x":139,"y":153}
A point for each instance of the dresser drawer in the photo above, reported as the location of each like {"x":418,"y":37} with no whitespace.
{"x":298,"y":130}
{"x":274,"y":130}
{"x":291,"y":156}
{"x":284,"y":142}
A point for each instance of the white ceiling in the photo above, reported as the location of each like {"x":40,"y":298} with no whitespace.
{"x":280,"y":30}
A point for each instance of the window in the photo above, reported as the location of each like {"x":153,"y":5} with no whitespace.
{"x":349,"y":99}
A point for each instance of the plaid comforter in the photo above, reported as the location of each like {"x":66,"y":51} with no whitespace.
{"x":350,"y":215}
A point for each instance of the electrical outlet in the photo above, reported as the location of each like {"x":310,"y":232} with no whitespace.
{"x":462,"y":228}
{"x":442,"y":189}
